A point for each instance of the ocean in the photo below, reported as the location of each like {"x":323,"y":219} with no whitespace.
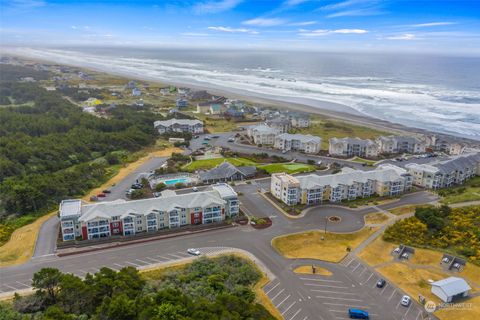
{"x":437,"y":93}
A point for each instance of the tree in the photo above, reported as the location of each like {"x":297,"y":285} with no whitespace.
{"x":46,"y":281}
{"x":159,"y":187}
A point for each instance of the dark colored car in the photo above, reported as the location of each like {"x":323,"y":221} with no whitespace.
{"x":101,"y":195}
{"x":381,"y":283}
{"x":137,"y":186}
{"x":107,"y":191}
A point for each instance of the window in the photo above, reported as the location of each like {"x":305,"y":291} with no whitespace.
{"x":115,"y":218}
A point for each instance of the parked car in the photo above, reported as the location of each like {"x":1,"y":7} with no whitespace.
{"x":445,"y":260}
{"x":381,"y":283}
{"x":232,"y":139}
{"x":406,"y":300}
{"x":215,"y":137}
{"x":358,"y":314}
{"x":196,"y":137}
{"x":457,"y":265}
{"x":137,"y":186}
{"x":194,"y":189}
{"x":101,"y":195}
{"x":397,"y":250}
{"x":106,"y":191}
{"x":93,"y":198}
{"x":193,"y":251}
{"x":405,"y":255}
{"x":284,"y":151}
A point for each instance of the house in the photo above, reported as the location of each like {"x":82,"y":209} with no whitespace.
{"x":183,"y":91}
{"x":181,"y":103}
{"x":445,"y":173}
{"x":350,"y":184}
{"x":227,"y":172}
{"x":203,"y":107}
{"x":179,"y":125}
{"x":165,"y":91}
{"x":170,"y":210}
{"x":262,"y":134}
{"x":216,"y":108}
{"x":351,"y":147}
{"x":136,"y":92}
{"x":281,"y":125}
{"x":401,"y":144}
{"x":232,"y":112}
{"x":301,"y":142}
{"x":131,"y":84}
{"x":450,"y":289}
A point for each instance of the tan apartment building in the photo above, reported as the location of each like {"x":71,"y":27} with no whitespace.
{"x":262,"y":134}
{"x":351,"y":147}
{"x":298,"y":142}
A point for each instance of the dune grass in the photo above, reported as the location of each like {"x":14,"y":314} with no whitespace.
{"x":289,"y":168}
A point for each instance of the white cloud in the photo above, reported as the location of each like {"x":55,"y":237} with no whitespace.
{"x":215,"y":6}
{"x":356,"y":13}
{"x":194,"y":34}
{"x":405,"y":36}
{"x":343,"y":4}
{"x":303,"y":23}
{"x":433,"y":24}
{"x":324,"y":32}
{"x":264,"y":22}
{"x":23,"y":4}
{"x":291,"y":3}
{"x":232,"y":30}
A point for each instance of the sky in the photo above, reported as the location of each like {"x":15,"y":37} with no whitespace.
{"x":440,"y":26}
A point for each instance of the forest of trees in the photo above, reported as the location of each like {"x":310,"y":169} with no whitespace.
{"x":454,"y":230}
{"x":207,"y":289}
{"x":51,"y":150}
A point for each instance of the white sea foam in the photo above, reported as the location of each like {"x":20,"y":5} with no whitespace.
{"x":425,"y":106}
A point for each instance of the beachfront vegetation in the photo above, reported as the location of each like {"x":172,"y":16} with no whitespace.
{"x":206,"y":164}
{"x":52,"y":150}
{"x":289,"y":168}
{"x":327,"y":128}
{"x":453,"y":230}
{"x":219,"y":288}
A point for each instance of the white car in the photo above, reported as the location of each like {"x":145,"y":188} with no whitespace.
{"x":397,"y":250}
{"x":193,"y":251}
{"x":405,"y":301}
{"x":405,"y":255}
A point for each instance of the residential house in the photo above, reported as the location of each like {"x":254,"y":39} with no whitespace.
{"x":203,"y":107}
{"x":351,"y":147}
{"x":445,"y":173}
{"x":227,"y":172}
{"x":262,"y":134}
{"x":179,"y":125}
{"x":181,"y":103}
{"x":301,"y":142}
{"x":136,"y":92}
{"x":279,"y":124}
{"x":123,"y":218}
{"x":386,"y":180}
{"x":450,"y":289}
{"x":401,"y":144}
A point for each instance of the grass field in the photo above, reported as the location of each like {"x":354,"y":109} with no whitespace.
{"x":377,"y":252}
{"x":289,"y":168}
{"x":361,"y":160}
{"x":404,"y":209}
{"x":469,"y":312}
{"x":470,"y":191}
{"x":308,"y":270}
{"x":338,"y":129}
{"x":376,"y":218}
{"x":19,"y":249}
{"x":309,"y":245}
{"x":211,"y":163}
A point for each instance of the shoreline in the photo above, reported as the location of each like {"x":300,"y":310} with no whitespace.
{"x":323,"y":108}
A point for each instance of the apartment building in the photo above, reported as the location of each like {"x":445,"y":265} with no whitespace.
{"x":442,"y":174}
{"x":179,"y":125}
{"x":386,"y":180}
{"x":299,"y":142}
{"x":123,"y":218}
{"x":282,"y":125}
{"x":450,"y":147}
{"x":400,"y":144}
{"x":351,"y":147}
{"x":262,"y":134}
{"x":300,"y":121}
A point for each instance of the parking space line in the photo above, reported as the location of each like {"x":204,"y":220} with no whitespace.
{"x":408,"y":310}
{"x":346,"y":299}
{"x":350,"y":262}
{"x":418,"y":315}
{"x":175,"y":256}
{"x":298,"y":311}
{"x":285,"y":311}
{"x":113,"y":268}
{"x":393,"y":292}
{"x":371,"y":275}
{"x":133,"y":264}
{"x":154,"y":260}
{"x":278,"y":305}
{"x":364,"y":269}
{"x":321,"y":280}
{"x":398,"y":304}
{"x":336,"y":292}
{"x":95,"y":269}
{"x":143,"y":261}
{"x":164,"y":258}
{"x":23,"y":284}
{"x":358,"y":265}
{"x":6,"y":285}
{"x":381,"y":293}
{"x":118,"y":265}
{"x":277,"y":295}
{"x":324,"y":285}
{"x":345,"y":305}
{"x":272,"y":288}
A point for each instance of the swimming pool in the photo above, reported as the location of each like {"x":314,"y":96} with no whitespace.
{"x":175,"y":181}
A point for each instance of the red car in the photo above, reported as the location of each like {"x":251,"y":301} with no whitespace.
{"x":101,"y":195}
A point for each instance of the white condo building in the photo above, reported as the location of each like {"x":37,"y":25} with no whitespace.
{"x":179,"y":125}
{"x":301,"y":142}
{"x":386,"y":180}
{"x":262,"y":134}
{"x":123,"y":218}
{"x":351,"y":147}
{"x":400,"y":144}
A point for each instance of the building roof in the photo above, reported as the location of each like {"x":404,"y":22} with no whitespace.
{"x":170,"y":122}
{"x":279,"y":121}
{"x":166,"y":202}
{"x":452,"y":286}
{"x":225,"y":170}
{"x":263,"y":129}
{"x":362,"y":142}
{"x":350,"y":176}
{"x":70,"y":207}
{"x":305,"y":138}
{"x":224,"y":190}
{"x":457,"y":163}
{"x":400,"y":139}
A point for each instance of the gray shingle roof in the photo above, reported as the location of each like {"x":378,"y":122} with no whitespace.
{"x":225,"y":170}
{"x":301,"y":137}
{"x":168,"y":123}
{"x":361,"y":142}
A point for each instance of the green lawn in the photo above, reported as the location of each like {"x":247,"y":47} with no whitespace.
{"x":470,"y":191}
{"x":211,"y":163}
{"x":289,"y":168}
{"x":338,"y":129}
{"x":361,"y":160}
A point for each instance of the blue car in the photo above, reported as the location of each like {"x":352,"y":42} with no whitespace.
{"x":358,"y":314}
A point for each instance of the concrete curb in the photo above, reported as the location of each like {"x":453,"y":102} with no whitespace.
{"x":301,"y":215}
